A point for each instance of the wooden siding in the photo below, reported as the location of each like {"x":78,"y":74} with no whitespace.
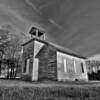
{"x":47,"y":63}
{"x":35,"y":70}
{"x":37,"y":48}
{"x":74,"y":68}
{"x":28,"y":51}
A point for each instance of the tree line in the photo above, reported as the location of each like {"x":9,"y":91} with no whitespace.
{"x":10,"y":51}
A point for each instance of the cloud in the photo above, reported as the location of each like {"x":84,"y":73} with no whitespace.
{"x":33,"y":6}
{"x":53,"y":22}
{"x":72,"y":23}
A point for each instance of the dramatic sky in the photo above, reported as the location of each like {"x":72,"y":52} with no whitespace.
{"x":74,"y":24}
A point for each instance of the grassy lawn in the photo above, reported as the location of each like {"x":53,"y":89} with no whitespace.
{"x":20,"y":90}
{"x":20,"y":83}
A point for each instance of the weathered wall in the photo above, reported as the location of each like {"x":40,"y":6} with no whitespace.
{"x":28,"y":51}
{"x":73,"y":68}
{"x":47,"y":63}
{"x":37,"y":48}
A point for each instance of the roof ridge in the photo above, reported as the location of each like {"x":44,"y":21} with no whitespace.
{"x":65,"y":49}
{"x":58,"y":47}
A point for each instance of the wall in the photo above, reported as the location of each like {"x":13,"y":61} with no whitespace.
{"x":47,"y":63}
{"x":73,"y":70}
{"x":28,"y":51}
{"x":37,"y":48}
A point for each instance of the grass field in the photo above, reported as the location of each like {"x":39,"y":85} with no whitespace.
{"x":20,"y":90}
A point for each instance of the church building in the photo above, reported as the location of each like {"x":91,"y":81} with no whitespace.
{"x":44,"y":60}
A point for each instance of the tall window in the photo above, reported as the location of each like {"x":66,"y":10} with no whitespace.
{"x":82,"y":67}
{"x":69,"y":66}
{"x":75,"y":66}
{"x":65,"y":66}
{"x":26,"y":67}
{"x":79,"y":67}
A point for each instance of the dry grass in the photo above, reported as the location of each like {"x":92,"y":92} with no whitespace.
{"x":17,"y":90}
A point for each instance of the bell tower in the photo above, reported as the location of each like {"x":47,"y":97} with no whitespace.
{"x":36,"y":33}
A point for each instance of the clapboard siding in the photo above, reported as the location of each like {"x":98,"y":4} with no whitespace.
{"x":28,"y":52}
{"x":47,"y":63}
{"x":73,"y":68}
{"x":37,"y":47}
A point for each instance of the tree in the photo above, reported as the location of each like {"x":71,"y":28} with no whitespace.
{"x":93,"y":68}
{"x":4,"y":40}
{"x":10,"y":49}
{"x":13,"y":55}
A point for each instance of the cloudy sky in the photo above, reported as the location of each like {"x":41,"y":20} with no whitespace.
{"x":74,"y":24}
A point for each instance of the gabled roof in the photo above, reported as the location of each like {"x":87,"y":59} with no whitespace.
{"x":58,"y":48}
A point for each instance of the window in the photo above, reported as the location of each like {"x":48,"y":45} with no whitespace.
{"x":65,"y":67}
{"x":69,"y":66}
{"x":82,"y":67}
{"x":75,"y":66}
{"x":79,"y":67}
{"x":26,"y":67}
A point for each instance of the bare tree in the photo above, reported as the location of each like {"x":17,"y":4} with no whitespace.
{"x":11,"y":48}
{"x":13,"y":55}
